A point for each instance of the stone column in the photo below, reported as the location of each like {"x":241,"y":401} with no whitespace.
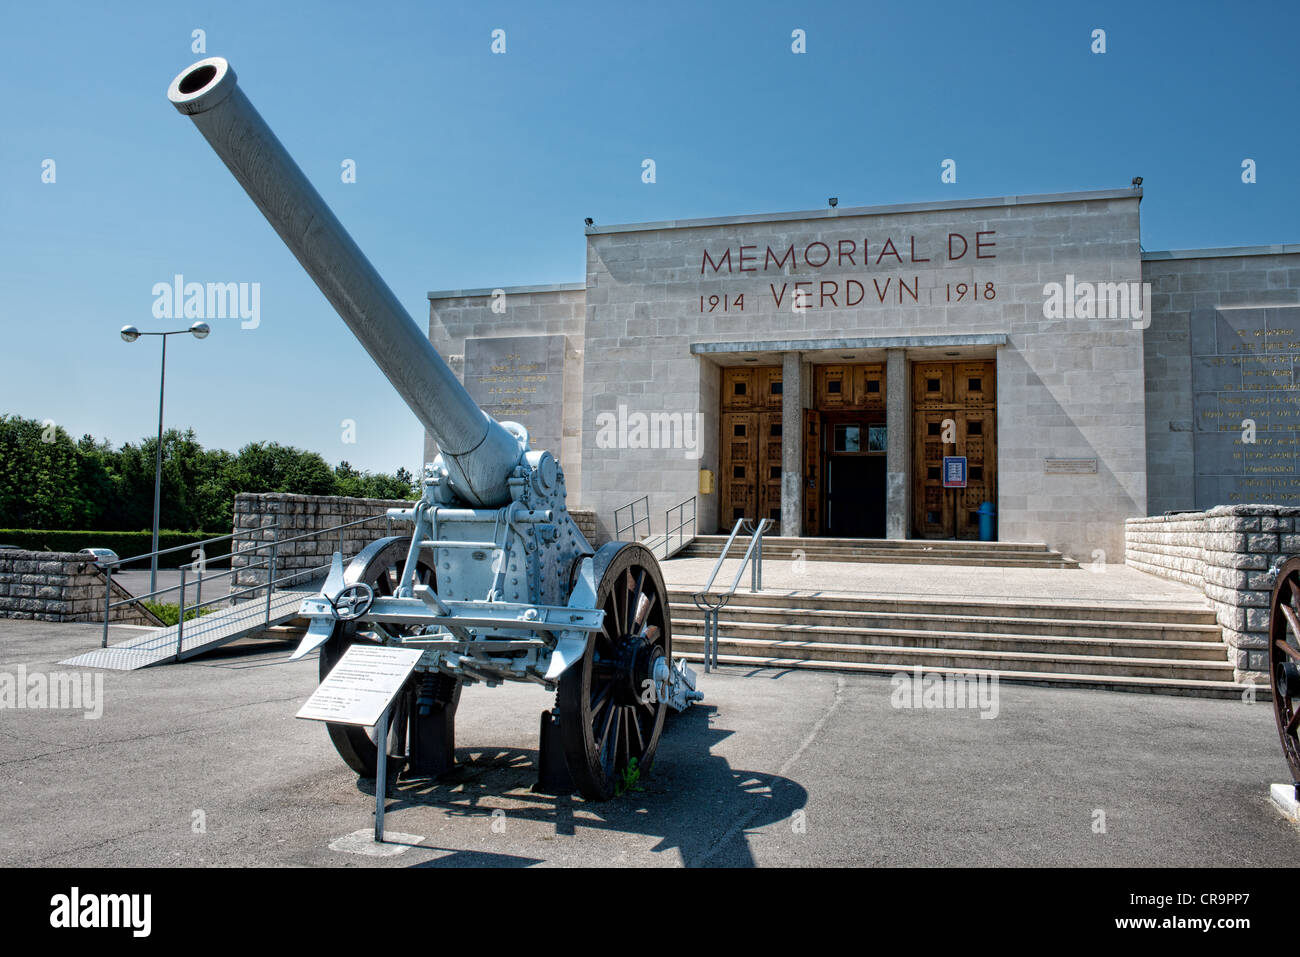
{"x":898,"y":453}
{"x":791,"y":444}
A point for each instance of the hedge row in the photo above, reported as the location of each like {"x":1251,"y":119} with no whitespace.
{"x":126,"y":544}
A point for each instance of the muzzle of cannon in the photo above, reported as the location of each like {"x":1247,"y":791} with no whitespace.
{"x":496,"y":582}
{"x":478,"y":452}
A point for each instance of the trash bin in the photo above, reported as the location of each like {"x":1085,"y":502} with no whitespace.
{"x":986,"y":513}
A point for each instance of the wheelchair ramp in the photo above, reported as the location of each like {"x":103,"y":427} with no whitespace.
{"x":200,"y":634}
{"x":665,"y":547}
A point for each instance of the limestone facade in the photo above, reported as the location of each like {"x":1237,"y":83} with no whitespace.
{"x":1096,"y":406}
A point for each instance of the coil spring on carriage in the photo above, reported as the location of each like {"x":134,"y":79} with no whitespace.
{"x":434,"y":689}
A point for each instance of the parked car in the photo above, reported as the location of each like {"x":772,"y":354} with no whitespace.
{"x":101,"y":556}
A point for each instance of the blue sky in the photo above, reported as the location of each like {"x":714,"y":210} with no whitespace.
{"x":475,"y":169}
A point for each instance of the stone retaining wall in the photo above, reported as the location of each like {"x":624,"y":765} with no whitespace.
{"x":297,"y":515}
{"x":585,"y":519}
{"x":257,"y":515}
{"x":59,"y":586}
{"x":1229,"y":552}
{"x":1169,"y":546}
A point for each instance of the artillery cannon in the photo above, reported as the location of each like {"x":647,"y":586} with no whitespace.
{"x":496,"y":582}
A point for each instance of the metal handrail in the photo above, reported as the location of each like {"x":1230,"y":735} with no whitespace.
{"x":135,"y":599}
{"x":735,"y":530}
{"x":108,"y":567}
{"x":268,"y":563}
{"x":680,"y":527}
{"x":262,"y":563}
{"x":712,"y":605}
{"x":181,"y":548}
{"x":620,"y":529}
{"x":244,"y":551}
{"x":754,"y":551}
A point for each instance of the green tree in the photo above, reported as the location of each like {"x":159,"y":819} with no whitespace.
{"x":39,"y":476}
{"x":49,"y":481}
{"x":369,"y":485}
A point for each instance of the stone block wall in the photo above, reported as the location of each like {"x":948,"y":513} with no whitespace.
{"x":520,"y":311}
{"x":59,"y":586}
{"x":1184,"y":282}
{"x":1170,"y":546}
{"x":256,"y":516}
{"x":585,"y":519}
{"x":1230,"y":552}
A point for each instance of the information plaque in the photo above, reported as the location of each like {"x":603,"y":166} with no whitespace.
{"x":362,"y":685}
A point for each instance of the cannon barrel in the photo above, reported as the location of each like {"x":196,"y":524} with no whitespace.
{"x":479,"y":453}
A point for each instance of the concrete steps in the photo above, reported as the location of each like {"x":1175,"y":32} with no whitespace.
{"x":1203,"y":689}
{"x":853,"y":642}
{"x":1176,"y":649}
{"x":760,"y":622}
{"x":909,"y":551}
{"x":946,"y":608}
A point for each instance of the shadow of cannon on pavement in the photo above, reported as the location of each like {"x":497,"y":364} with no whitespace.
{"x":693,"y":801}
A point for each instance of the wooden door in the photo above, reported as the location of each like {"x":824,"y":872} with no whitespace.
{"x":973,"y":385}
{"x":750,"y":464}
{"x":769,"y":387}
{"x":812,"y":472}
{"x":932,"y":514}
{"x":737,"y":483}
{"x":932,"y":385}
{"x":769,"y":467}
{"x":739,"y":389}
{"x":978,"y":443}
{"x":869,"y":386}
{"x":955,"y":413}
{"x":833,"y":387}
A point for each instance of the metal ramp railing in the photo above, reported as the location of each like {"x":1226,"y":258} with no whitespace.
{"x":711,"y":605}
{"x":203,"y":632}
{"x":630,"y":523}
{"x":677,"y":534}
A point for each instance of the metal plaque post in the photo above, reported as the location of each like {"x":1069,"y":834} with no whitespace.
{"x":381,"y":773}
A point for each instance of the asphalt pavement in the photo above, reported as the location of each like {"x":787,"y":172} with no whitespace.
{"x":204,"y":763}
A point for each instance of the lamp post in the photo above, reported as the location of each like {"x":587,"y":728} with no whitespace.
{"x":199,"y":330}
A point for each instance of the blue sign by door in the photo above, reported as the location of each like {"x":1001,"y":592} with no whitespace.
{"x":954,"y":471}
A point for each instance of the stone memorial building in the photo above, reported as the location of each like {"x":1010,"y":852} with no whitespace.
{"x":885,"y":371}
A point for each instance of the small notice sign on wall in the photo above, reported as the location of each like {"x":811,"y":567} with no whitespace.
{"x":954,"y":471}
{"x":1070,"y":466}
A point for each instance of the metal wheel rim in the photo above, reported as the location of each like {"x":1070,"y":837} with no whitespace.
{"x":602,"y":725}
{"x":1284,"y":650}
{"x":357,"y":746}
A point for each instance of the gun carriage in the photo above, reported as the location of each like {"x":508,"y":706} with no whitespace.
{"x":496,"y":582}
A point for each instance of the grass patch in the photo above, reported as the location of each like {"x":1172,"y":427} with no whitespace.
{"x":630,"y":779}
{"x":171,"y":614}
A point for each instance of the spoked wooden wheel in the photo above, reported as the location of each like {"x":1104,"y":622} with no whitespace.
{"x":609,"y":715}
{"x":379,"y":565}
{"x":1284,"y":661}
